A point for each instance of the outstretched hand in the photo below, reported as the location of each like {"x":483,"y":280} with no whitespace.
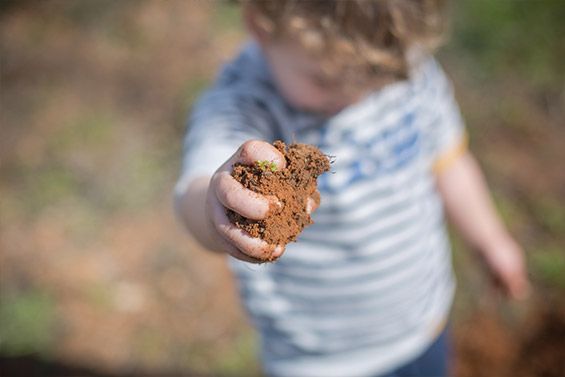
{"x":505,"y":261}
{"x":225,"y":192}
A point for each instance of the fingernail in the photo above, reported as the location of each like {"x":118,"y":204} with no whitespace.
{"x":309,"y":206}
{"x":278,"y":251}
{"x":276,"y":205}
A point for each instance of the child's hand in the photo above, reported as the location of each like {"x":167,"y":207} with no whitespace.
{"x":225,"y":192}
{"x":505,"y":260}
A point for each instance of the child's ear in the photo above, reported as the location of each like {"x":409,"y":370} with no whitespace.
{"x":253,"y":25}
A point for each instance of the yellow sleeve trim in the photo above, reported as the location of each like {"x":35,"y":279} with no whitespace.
{"x":439,"y":328}
{"x":447,"y":158}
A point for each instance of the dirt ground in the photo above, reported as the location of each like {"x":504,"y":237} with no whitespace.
{"x":97,"y":277}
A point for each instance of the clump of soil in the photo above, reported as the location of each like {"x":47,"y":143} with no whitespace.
{"x":292,"y":186}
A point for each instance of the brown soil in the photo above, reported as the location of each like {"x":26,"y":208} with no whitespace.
{"x":542,"y":352}
{"x":78,"y":78}
{"x":486,"y":346}
{"x":292,"y":186}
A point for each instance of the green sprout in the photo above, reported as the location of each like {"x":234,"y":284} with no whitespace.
{"x":266,"y":165}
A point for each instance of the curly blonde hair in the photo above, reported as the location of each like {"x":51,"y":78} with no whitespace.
{"x":356,"y":39}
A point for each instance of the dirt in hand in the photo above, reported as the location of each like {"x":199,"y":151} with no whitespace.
{"x":292,"y":186}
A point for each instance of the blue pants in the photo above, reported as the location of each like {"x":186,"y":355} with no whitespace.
{"x":432,"y":363}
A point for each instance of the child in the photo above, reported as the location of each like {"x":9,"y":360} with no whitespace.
{"x":366,"y":290}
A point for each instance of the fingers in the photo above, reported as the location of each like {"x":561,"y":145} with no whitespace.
{"x":236,"y":253}
{"x":255,"y":150}
{"x":212,"y":209}
{"x":253,"y":247}
{"x":313,"y":202}
{"x":512,"y":279}
{"x":238,"y":243}
{"x":517,"y":280}
{"x":233,"y":195}
{"x":247,"y":203}
{"x":252,"y":151}
{"x":518,"y":285}
{"x":226,"y":192}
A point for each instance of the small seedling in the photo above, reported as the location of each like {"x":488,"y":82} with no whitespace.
{"x":266,"y":165}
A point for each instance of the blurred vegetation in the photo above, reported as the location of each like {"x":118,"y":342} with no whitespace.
{"x":99,"y":129}
{"x":506,"y":60}
{"x":522,"y":39}
{"x":27,"y":323}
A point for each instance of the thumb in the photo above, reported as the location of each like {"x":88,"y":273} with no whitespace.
{"x":256,"y":150}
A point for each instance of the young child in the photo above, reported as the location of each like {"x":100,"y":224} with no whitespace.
{"x":366,"y":290}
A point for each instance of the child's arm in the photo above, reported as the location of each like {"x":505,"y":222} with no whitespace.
{"x":202,"y":207}
{"x":470,"y":208}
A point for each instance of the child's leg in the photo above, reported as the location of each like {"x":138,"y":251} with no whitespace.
{"x":432,"y":363}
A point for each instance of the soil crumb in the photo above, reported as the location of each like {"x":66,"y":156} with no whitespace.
{"x":292,"y":186}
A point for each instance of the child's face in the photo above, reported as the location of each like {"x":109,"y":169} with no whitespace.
{"x":302,"y":81}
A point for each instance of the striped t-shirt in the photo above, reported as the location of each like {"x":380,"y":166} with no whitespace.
{"x":367,"y":286}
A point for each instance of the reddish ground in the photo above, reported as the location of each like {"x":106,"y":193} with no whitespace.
{"x":94,"y":97}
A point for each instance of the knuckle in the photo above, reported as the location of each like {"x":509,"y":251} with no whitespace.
{"x":224,"y":184}
{"x":228,"y":200}
{"x":217,"y":182}
{"x":227,"y":190}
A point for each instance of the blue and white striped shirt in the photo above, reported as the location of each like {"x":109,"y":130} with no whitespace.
{"x":366,"y":287}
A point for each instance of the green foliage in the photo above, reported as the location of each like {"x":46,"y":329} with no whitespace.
{"x":151,"y":344}
{"x":95,"y":14}
{"x":509,"y":209}
{"x":524,"y":38}
{"x":26,"y":323}
{"x":90,"y":129}
{"x":241,"y":360}
{"x":63,"y":172}
{"x":548,"y":266}
{"x":47,"y":187}
{"x":226,"y":16}
{"x":551,"y":213}
{"x":99,"y":295}
{"x":266,"y":165}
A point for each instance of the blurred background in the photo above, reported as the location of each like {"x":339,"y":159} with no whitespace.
{"x":97,"y":278}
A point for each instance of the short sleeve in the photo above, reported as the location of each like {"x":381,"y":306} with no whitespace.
{"x":445,"y":135}
{"x":220,"y":122}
